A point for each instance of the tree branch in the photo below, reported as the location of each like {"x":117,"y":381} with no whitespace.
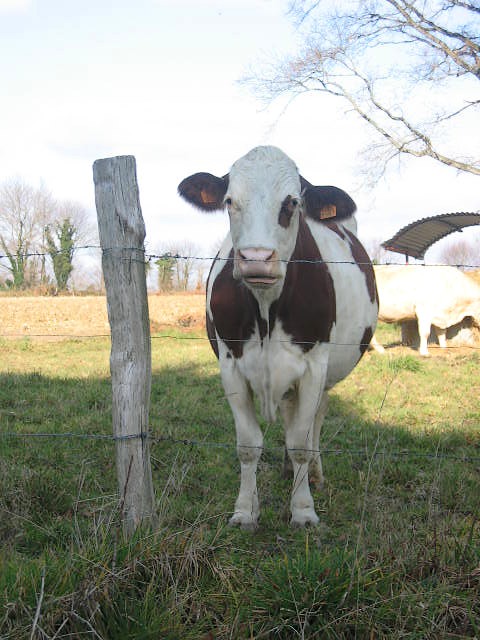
{"x":337,"y":60}
{"x":428,"y":29}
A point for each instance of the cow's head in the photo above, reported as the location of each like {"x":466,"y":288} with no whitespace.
{"x":265,"y":197}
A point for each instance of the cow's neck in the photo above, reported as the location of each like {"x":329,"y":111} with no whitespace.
{"x":265,"y":298}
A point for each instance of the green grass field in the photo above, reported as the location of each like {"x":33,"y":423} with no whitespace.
{"x":397,"y":553}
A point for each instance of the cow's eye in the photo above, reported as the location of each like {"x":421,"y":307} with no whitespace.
{"x":294,"y":202}
{"x":228,"y":202}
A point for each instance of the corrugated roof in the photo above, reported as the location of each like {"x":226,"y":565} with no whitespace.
{"x":414,"y":239}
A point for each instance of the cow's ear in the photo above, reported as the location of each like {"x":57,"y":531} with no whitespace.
{"x":204,"y":191}
{"x":322,"y":203}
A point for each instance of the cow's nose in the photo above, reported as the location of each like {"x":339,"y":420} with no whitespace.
{"x":258,"y":266}
{"x":257,"y":255}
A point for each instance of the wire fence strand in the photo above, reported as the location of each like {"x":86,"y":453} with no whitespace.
{"x":149,"y":257}
{"x":187,"y":442}
{"x":363,"y":345}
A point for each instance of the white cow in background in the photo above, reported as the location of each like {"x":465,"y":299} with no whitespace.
{"x":437,"y":296}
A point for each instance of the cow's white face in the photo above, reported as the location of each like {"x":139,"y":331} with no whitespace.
{"x":265,"y":197}
{"x":263,"y":201}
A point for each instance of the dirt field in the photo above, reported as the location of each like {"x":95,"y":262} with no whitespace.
{"x":49,"y":317}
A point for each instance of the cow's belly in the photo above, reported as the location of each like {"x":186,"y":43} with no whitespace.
{"x":271,"y":367}
{"x":396,"y":312}
{"x":446,"y":316}
{"x":275,"y":365}
{"x":346,"y":350}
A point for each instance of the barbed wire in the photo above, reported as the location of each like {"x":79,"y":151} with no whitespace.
{"x":404,"y":453}
{"x":167,"y":256}
{"x":233,"y":340}
{"x":67,"y":435}
{"x":149,"y":257}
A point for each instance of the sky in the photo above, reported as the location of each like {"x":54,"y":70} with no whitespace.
{"x":159,"y":80}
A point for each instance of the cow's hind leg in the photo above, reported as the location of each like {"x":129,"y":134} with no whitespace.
{"x":442,"y":337}
{"x":287,"y":407}
{"x":374,"y":344}
{"x":316,"y":476}
{"x":249,"y":447}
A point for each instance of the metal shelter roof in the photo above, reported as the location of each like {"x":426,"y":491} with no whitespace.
{"x":414,"y":239}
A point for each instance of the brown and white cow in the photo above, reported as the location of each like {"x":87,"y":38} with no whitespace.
{"x":291,"y":308}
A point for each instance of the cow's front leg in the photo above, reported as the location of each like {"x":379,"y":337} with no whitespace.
{"x":300,"y":439}
{"x":288,"y":405}
{"x":249,"y":446}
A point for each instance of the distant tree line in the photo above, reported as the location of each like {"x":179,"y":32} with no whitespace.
{"x":180,"y":267}
{"x":39,"y":236}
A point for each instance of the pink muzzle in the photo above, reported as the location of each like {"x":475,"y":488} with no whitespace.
{"x":258,"y":267}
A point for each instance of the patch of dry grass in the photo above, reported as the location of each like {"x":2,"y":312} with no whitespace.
{"x":58,"y":316}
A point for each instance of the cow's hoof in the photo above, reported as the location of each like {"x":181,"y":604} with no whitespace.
{"x":304,"y":518}
{"x":244,"y":521}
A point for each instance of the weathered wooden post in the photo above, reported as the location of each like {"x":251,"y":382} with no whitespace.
{"x":122,"y":234}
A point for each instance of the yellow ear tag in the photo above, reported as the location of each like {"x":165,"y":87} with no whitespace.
{"x":206,"y":197}
{"x":328,"y":211}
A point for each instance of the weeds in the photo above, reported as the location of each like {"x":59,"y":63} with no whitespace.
{"x":397,"y":553}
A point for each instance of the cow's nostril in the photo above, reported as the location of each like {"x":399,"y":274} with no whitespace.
{"x":256,"y":255}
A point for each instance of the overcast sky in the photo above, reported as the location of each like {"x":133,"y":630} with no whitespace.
{"x":158,"y":79}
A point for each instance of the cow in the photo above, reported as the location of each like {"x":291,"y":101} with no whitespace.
{"x":434,"y":296}
{"x":291,"y":308}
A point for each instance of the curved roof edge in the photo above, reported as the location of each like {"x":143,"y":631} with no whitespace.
{"x":414,"y":239}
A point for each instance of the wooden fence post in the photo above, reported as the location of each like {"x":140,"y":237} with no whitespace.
{"x":122,"y":235}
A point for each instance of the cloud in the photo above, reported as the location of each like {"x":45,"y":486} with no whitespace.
{"x":12,"y":6}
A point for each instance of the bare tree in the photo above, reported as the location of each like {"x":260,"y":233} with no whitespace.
{"x":379,"y":255}
{"x":177,"y":265}
{"x":69,"y":227}
{"x":461,"y":253}
{"x":165,"y":267}
{"x":377,"y":56}
{"x":23,"y":211}
{"x":27,"y":214}
{"x":86,"y":232}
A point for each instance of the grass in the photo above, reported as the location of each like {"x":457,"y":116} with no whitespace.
{"x":397,"y":553}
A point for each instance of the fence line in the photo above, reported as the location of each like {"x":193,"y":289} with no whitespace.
{"x":226,"y":445}
{"x":175,"y":256}
{"x":148,"y":257}
{"x":169,"y":256}
{"x":205,"y":339}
